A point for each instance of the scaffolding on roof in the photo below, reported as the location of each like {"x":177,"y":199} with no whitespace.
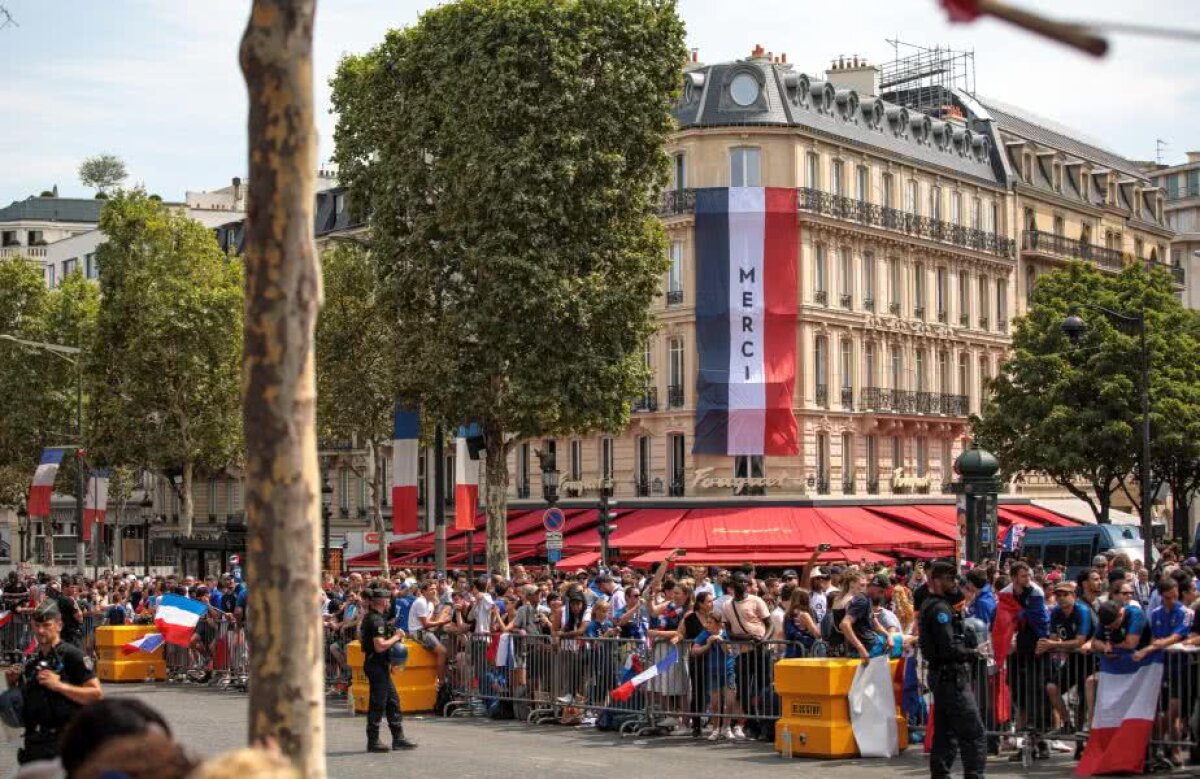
{"x":922,"y":80}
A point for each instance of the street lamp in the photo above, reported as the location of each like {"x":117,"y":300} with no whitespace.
{"x":326,"y":515}
{"x":605,"y":529}
{"x":547,"y":461}
{"x":1074,"y":327}
{"x":22,"y":523}
{"x":147,"y":510}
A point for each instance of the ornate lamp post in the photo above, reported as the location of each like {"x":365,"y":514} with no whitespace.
{"x":326,"y":515}
{"x":147,"y":510}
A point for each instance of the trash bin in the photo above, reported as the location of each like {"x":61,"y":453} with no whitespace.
{"x":416,"y":682}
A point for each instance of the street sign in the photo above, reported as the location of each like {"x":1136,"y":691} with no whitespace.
{"x":554,"y":555}
{"x":554,"y":519}
{"x":554,"y":541}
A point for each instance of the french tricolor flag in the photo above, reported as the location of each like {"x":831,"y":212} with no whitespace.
{"x":147,"y":643}
{"x":5,"y":618}
{"x":747,"y":256}
{"x":405,"y":434}
{"x":625,"y":691}
{"x":43,"y":482}
{"x":466,"y":482}
{"x":1126,"y":703}
{"x":95,"y":501}
{"x":176,"y":618}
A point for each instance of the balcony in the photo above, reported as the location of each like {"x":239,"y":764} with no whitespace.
{"x":822,"y":395}
{"x":847,"y":486}
{"x":641,"y":487}
{"x":1038,"y":242}
{"x":873,"y":485}
{"x":821,"y":297}
{"x":1002,"y":325}
{"x":675,"y":396}
{"x":848,"y":398}
{"x":677,"y":488}
{"x":822,"y":484}
{"x":1176,"y":272}
{"x":942,"y":316}
{"x":892,"y":401}
{"x":869,"y":304}
{"x":674,"y":297}
{"x":815,"y":201}
{"x":32,"y":252}
{"x":894,"y":308}
{"x":964,"y":320}
{"x":919,"y":312}
{"x":647,"y":401}
{"x":847,"y":301}
{"x":983,"y":323}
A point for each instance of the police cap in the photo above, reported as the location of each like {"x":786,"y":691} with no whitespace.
{"x":942,"y":568}
{"x":47,"y":611}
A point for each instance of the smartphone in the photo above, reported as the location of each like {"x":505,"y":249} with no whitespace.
{"x":680,"y":552}
{"x":824,"y":547}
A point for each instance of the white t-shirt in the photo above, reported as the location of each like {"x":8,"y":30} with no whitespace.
{"x":706,"y":587}
{"x":483,"y":614}
{"x":819,"y":605}
{"x":420,"y":608}
{"x":616,"y":601}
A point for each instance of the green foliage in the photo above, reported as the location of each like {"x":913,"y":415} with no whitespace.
{"x":38,"y":394}
{"x":14,"y":484}
{"x":165,"y":371}
{"x":1074,"y":412}
{"x":102,"y":172}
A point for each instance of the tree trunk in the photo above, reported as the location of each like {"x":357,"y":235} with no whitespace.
{"x":496,"y":500}
{"x":1105,"y":502}
{"x":187,"y":506}
{"x":375,"y":456}
{"x":283,"y":288}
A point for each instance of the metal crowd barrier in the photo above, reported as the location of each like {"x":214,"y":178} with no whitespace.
{"x":1040,"y":699}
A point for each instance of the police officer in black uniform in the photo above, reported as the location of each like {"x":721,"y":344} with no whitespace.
{"x":377,"y":637}
{"x":945,"y":647}
{"x":56,"y":681}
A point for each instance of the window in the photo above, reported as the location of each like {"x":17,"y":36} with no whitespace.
{"x":679,"y":171}
{"x":1001,"y":303}
{"x":1030,"y":220}
{"x":897,"y":368}
{"x":50,"y":280}
{"x":897,"y":452}
{"x":956,"y":208}
{"x":1057,"y":177}
{"x":889,"y":199}
{"x":820,"y":281}
{"x":869,"y":364}
{"x":1085,"y":181}
{"x":643,"y":464}
{"x":941,"y":294}
{"x":910,"y":197}
{"x":212,"y":499}
{"x":749,"y":467}
{"x":677,"y":451}
{"x":944,"y":372}
{"x":964,"y":375}
{"x":231,"y":497}
{"x":1027,"y":168}
{"x":1138,"y":247}
{"x":606,"y":458}
{"x":868,"y":279}
{"x":675,"y":373}
{"x":848,"y":470}
{"x":523,"y":470}
{"x":839,"y":179}
{"x":822,"y":463}
{"x":976,"y":214}
{"x":919,"y":290}
{"x":984,"y":302}
{"x":1060,"y":226}
{"x":964,"y":298}
{"x":91,"y":270}
{"x":813,"y":170}
{"x":993,"y":216}
{"x":922,"y":456}
{"x":69,"y":266}
{"x":35,"y":238}
{"x":675,"y":275}
{"x":343,"y":491}
{"x":985,"y":375}
{"x":922,"y":385}
{"x":362,"y":492}
{"x":846,"y":271}
{"x":9,"y":238}
{"x":895,"y":283}
{"x":821,"y":369}
{"x":872,"y":462}
{"x":743,"y":167}
{"x":947,"y":461}
{"x":576,"y":460}
{"x":864,"y":184}
{"x":847,"y":371}
{"x":935,"y":203}
{"x":1030,"y":282}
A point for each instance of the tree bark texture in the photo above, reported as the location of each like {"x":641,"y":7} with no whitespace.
{"x":376,"y":456}
{"x":496,"y":500}
{"x":283,"y":291}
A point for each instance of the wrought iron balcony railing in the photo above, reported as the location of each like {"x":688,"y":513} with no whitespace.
{"x":822,"y":395}
{"x":674,"y":297}
{"x":848,"y":398}
{"x":1062,"y":246}
{"x":647,"y":401}
{"x":892,"y":401}
{"x":821,"y":297}
{"x":675,"y":396}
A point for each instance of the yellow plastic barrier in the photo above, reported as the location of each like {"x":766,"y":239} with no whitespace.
{"x":114,"y":666}
{"x":416,"y":683}
{"x":815,"y":707}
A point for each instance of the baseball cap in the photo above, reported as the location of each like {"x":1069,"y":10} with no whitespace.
{"x":819,"y":573}
{"x":835,"y":570}
{"x":790,"y":573}
{"x":1065,"y":586}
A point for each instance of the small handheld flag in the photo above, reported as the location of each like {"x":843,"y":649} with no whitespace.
{"x":625,"y":691}
{"x":147,"y":643}
{"x":5,"y":618}
{"x":176,"y":617}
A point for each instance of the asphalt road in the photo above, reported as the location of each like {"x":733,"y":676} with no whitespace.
{"x":210,"y":722}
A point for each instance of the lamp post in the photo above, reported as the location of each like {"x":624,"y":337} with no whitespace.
{"x":326,"y":516}
{"x":605,"y":529}
{"x":147,"y":509}
{"x":548,"y":463}
{"x":1075,"y":327}
{"x":22,"y":523}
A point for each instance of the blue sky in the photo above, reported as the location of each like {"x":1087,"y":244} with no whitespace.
{"x":157,"y":82}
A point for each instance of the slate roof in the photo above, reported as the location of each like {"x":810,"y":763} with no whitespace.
{"x":1043,"y":131}
{"x":53,"y":209}
{"x":788,"y":98}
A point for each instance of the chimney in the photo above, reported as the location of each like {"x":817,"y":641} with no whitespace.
{"x":695,"y":55}
{"x":758,"y":52}
{"x":854,"y":73}
{"x":783,"y":58}
{"x":1193,"y":156}
{"x":237,"y":193}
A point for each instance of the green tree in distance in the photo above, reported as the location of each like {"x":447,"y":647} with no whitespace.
{"x":356,"y":367}
{"x":1073,"y":412}
{"x":164,"y":373}
{"x":102,"y":172}
{"x":511,"y":155}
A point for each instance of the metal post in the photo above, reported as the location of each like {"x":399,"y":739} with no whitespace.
{"x":471,"y":555}
{"x":146,"y":545}
{"x":80,"y":496}
{"x":1147,"y":493}
{"x":439,"y":500}
{"x":604,"y":528}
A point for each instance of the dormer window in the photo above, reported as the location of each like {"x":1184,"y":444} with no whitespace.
{"x":1027,"y":168}
{"x":1057,"y":177}
{"x":744,"y":89}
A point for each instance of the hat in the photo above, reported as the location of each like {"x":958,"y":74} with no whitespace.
{"x":941,"y":568}
{"x":880,"y":581}
{"x":790,"y":573}
{"x":377,"y":592}
{"x":819,"y":573}
{"x":1099,"y":561}
{"x":47,"y":611}
{"x":1065,"y":586}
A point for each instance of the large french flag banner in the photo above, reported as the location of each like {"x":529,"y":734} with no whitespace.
{"x":38,"y":504}
{"x":1126,"y":703}
{"x":176,"y":618}
{"x":405,"y":432}
{"x":95,"y":501}
{"x":747,"y":248}
{"x":466,"y":482}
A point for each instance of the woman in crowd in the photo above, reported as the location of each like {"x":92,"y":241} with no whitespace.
{"x":715,"y":666}
{"x":800,"y":626}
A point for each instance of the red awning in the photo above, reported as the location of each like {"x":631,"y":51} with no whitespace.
{"x":633,"y":531}
{"x":580,"y":560}
{"x":1029,"y":514}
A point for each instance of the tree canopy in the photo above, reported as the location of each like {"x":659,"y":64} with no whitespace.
{"x":102,"y":172}
{"x":510,"y":156}
{"x":1073,"y":411}
{"x":164,"y":374}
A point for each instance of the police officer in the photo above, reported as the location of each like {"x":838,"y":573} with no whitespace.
{"x":377,"y":638}
{"x":950,"y":656}
{"x":56,"y":681}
